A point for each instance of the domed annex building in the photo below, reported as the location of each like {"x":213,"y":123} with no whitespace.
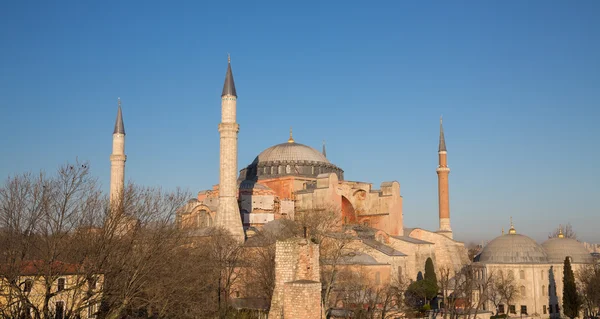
{"x":290,"y":178}
{"x":534,"y":270}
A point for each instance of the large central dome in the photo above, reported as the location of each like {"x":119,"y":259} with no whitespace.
{"x":291,"y":152}
{"x":289,"y":159}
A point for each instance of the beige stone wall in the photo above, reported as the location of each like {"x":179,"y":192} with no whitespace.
{"x":295,"y":259}
{"x":447,"y":252}
{"x":302,"y":300}
{"x":417,"y":254}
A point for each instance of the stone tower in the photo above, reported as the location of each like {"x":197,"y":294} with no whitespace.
{"x":443,"y":196}
{"x":117,"y":160}
{"x":228,"y":214}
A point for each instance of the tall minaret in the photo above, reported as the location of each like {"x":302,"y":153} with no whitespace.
{"x":444,"y":198}
{"x":228,"y":215}
{"x":117,"y":160}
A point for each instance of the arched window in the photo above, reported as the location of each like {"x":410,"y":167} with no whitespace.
{"x":377,"y":278}
{"x":399,"y":273}
{"x":28,"y":285}
{"x":288,"y":169}
{"x":542,"y":274}
{"x":543,"y":290}
{"x":522,"y":274}
{"x":523,"y":291}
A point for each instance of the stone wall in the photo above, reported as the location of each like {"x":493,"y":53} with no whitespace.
{"x":295,"y":259}
{"x":302,"y":300}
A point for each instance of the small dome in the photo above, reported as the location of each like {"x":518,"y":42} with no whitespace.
{"x":513,"y":249}
{"x":558,"y":249}
{"x":291,"y":152}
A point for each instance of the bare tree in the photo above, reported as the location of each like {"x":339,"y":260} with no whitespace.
{"x":39,"y":218}
{"x":589,"y":287}
{"x":567,"y":232}
{"x":504,"y":289}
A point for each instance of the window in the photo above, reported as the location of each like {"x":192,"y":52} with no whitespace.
{"x":544,"y":291}
{"x":61,"y":284}
{"x":523,"y":290}
{"x":59,"y":310}
{"x":512,"y":309}
{"x":544,"y":309}
{"x":28,"y":285}
{"x":288,"y":169}
{"x":522,"y":274}
{"x":542,"y":274}
{"x":523,"y":309}
{"x":377,"y":278}
{"x":399,"y":272}
{"x":500,"y":308}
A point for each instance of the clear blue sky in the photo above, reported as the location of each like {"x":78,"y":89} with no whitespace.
{"x":518,"y":84}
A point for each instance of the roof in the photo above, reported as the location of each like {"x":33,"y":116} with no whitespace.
{"x":35,"y":267}
{"x":412,"y":240}
{"x":291,"y":152}
{"x":355,"y":258}
{"x":119,"y":127}
{"x":558,"y":249}
{"x":390,"y":251}
{"x":229,"y":85}
{"x":513,"y":249}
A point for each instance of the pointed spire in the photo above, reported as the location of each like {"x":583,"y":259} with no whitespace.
{"x":291,"y":139}
{"x":229,"y":86}
{"x":119,"y":127}
{"x":442,"y":147}
{"x":324,"y":150}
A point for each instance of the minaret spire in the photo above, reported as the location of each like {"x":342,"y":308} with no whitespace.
{"x":228,"y":214}
{"x":117,"y":159}
{"x":442,"y":145}
{"x":229,"y":86}
{"x":443,"y":189}
{"x":119,"y":127}
{"x":324,"y":150}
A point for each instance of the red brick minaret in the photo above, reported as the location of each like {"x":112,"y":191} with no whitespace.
{"x":443,"y":196}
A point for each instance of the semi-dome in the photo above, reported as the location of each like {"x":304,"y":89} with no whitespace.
{"x":513,"y":248}
{"x":289,"y":159}
{"x":558,"y":249}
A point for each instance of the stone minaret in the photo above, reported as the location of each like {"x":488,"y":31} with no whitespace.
{"x":117,"y":160}
{"x":228,"y":215}
{"x":444,"y":198}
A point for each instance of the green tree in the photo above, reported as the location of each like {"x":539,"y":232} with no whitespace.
{"x":430,"y":274}
{"x":570,"y":297}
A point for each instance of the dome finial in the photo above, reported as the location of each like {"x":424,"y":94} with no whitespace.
{"x":512,"y":229}
{"x":502,"y":230}
{"x":291,"y":139}
{"x":560,"y":232}
{"x":228,"y":58}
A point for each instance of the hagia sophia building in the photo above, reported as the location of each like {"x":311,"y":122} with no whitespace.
{"x":290,"y":178}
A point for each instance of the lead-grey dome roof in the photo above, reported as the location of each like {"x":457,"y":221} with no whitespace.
{"x":291,"y":152}
{"x":558,"y":249}
{"x":289,"y":159}
{"x":513,"y":249}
